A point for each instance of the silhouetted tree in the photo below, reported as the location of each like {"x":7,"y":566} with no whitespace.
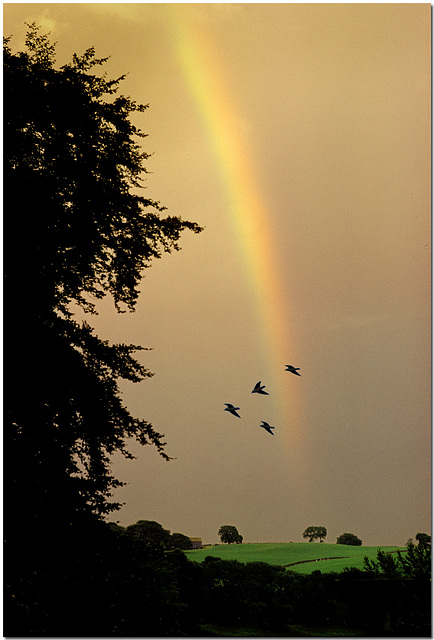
{"x":228,"y":533}
{"x":315,"y":533}
{"x":150,"y":534}
{"x":413,"y":563}
{"x":349,"y":538}
{"x":180,"y":541}
{"x":76,"y":228}
{"x":416,"y":562}
{"x":385,"y":564}
{"x":423,"y":539}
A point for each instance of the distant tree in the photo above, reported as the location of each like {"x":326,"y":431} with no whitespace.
{"x":229,"y":534}
{"x":315,"y":533}
{"x":180,"y":541}
{"x":423,"y":539}
{"x":349,"y":538}
{"x":409,"y":542}
{"x":150,"y":533}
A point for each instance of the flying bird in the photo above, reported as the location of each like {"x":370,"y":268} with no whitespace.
{"x":232,"y":409}
{"x":260,"y":389}
{"x":267,"y":427}
{"x":292,"y":369}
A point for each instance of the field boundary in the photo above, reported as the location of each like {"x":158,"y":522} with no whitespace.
{"x":316,"y":560}
{"x":331,"y":558}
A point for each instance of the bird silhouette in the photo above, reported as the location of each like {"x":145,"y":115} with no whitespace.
{"x":267,"y":427}
{"x":232,"y":409}
{"x":260,"y":389}
{"x":292,"y":369}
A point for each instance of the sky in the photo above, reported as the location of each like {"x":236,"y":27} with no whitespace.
{"x":298,"y":136}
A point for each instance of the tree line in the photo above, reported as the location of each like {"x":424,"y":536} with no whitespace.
{"x":152,"y":535}
{"x":229,"y":534}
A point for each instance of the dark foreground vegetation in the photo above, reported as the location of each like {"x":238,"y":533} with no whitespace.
{"x":103,"y":581}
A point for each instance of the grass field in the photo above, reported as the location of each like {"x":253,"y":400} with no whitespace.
{"x":310,"y":555}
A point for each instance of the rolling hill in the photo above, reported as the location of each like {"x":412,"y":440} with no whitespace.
{"x":303,"y":557}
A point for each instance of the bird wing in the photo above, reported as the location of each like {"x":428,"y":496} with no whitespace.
{"x":267,"y":427}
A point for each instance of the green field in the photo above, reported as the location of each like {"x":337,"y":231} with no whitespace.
{"x":287,"y":553}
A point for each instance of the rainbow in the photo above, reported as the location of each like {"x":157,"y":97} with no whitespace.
{"x":251,"y":223}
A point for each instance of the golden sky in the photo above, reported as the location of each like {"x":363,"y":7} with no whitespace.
{"x":299,"y":136}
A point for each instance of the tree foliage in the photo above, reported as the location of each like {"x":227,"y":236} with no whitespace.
{"x":349,"y":538}
{"x":413,"y":563}
{"x":77,"y":227}
{"x":315,"y":533}
{"x":180,"y":541}
{"x":74,"y":165}
{"x":229,"y":534}
{"x":150,"y":534}
{"x":423,"y":540}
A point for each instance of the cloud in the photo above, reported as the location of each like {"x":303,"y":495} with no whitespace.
{"x":47,"y":24}
{"x":212,"y":12}
{"x":131,"y":12}
{"x":144,"y":13}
